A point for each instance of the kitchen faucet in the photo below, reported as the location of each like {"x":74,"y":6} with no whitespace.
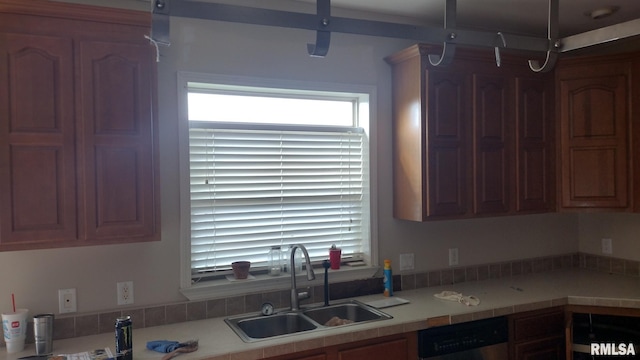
{"x":295,"y":296}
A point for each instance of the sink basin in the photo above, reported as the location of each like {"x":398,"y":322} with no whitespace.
{"x":255,"y":327}
{"x":347,"y":312}
{"x":261,"y":327}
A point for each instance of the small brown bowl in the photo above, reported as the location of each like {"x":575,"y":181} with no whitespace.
{"x":241,"y":269}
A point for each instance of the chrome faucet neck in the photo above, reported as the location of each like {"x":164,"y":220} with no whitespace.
{"x":295,"y":296}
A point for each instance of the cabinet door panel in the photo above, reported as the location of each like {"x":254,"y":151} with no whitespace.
{"x":445,"y":183}
{"x":491,"y":162}
{"x":37,"y":163}
{"x":547,"y":349}
{"x":118,"y":142}
{"x":315,"y":357}
{"x":446,"y":178}
{"x":298,"y":357}
{"x":583,"y":162}
{"x":537,"y":335}
{"x":537,"y":324}
{"x":534,"y":175}
{"x":397,"y":349}
{"x":594,"y":142}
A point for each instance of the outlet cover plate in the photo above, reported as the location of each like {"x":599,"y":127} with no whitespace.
{"x":67,"y":301}
{"x":125,"y":292}
{"x":406,"y":262}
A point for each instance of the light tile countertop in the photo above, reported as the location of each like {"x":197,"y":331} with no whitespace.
{"x":497,"y":297}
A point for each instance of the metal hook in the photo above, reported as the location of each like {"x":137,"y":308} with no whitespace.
{"x":321,"y":47}
{"x":549,"y":63}
{"x":552,"y":35}
{"x":155,"y":44}
{"x":448,"y":48}
{"x":497,"y":48}
{"x":323,"y":37}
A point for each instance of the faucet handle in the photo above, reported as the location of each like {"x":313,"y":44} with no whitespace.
{"x":306,"y":294}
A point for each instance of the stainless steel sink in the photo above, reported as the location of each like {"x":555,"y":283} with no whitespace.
{"x":255,"y":327}
{"x":350,"y":312}
{"x":261,"y":327}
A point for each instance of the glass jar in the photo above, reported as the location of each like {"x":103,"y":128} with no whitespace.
{"x":274,"y":260}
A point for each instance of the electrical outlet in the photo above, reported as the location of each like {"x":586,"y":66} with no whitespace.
{"x":67,"y":302}
{"x":125,"y":293}
{"x":406,"y":261}
{"x":607,"y":246}
{"x":453,"y":257}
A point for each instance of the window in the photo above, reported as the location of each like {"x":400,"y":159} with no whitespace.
{"x":275,"y":166}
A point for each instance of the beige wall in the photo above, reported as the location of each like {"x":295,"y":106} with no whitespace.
{"x":233,"y":49}
{"x":622,"y":229}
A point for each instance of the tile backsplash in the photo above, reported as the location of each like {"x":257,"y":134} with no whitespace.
{"x":91,"y":324}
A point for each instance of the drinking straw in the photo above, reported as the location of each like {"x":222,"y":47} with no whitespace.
{"x":13,"y":302}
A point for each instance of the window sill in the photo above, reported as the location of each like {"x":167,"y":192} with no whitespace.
{"x":263,"y":283}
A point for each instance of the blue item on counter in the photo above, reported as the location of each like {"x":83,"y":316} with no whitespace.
{"x":387,"y":278}
{"x":163,"y":346}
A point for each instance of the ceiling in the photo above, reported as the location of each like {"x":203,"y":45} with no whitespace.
{"x":523,"y":17}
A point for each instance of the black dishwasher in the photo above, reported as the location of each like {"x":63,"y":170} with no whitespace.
{"x":607,"y":332}
{"x":485,"y":339}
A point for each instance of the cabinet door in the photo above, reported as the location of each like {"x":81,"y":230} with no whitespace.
{"x":537,"y":335}
{"x":534,"y":144}
{"x":447,"y":178}
{"x":37,"y":150}
{"x":492,"y":115}
{"x":547,"y":349}
{"x":395,"y":349}
{"x":594,"y":123}
{"x":117,"y":139}
{"x":314,"y":357}
{"x":300,"y":357}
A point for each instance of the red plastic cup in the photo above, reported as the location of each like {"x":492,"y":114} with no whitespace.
{"x":334,"y":258}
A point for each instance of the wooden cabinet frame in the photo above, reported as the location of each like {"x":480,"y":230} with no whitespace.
{"x":470,"y":139}
{"x":79,"y":149}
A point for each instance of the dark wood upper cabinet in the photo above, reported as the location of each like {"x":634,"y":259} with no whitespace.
{"x":117,"y":141}
{"x":430,"y":139}
{"x":446,"y":147}
{"x":534,"y":145}
{"x":595,"y":128}
{"x":492,"y":132}
{"x":37,"y":156}
{"x":78,"y":149}
{"x":470,"y":139}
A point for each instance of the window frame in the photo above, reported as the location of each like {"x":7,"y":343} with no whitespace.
{"x":223,"y":288}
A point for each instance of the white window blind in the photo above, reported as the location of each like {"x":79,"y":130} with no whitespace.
{"x":252,"y":189}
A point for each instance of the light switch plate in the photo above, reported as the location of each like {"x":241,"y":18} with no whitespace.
{"x":607,"y":246}
{"x":453,"y":257}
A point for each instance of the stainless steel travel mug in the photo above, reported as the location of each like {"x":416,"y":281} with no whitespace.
{"x":43,"y":333}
